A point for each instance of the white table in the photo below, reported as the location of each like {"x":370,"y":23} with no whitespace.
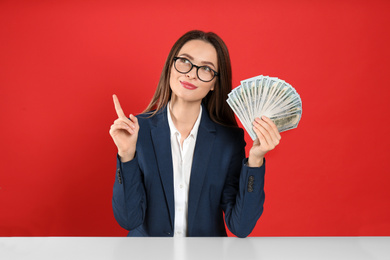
{"x":284,"y":248}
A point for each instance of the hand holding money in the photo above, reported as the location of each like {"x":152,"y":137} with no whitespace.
{"x":268,"y":138}
{"x":265,"y":106}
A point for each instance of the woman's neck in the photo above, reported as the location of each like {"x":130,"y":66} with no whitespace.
{"x":184,"y":115}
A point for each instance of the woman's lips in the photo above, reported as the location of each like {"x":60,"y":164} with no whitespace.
{"x":188,"y":85}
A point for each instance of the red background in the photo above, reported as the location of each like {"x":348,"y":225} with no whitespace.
{"x":61,"y":61}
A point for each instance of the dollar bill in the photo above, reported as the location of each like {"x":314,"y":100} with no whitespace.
{"x":268,"y":96}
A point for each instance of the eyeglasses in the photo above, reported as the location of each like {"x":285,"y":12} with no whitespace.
{"x":204,"y":73}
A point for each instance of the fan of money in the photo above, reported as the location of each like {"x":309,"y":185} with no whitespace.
{"x":268,"y":96}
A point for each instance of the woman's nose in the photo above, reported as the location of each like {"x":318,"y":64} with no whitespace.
{"x":192,"y":73}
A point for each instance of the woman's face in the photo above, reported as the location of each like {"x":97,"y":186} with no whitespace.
{"x":188,"y":87}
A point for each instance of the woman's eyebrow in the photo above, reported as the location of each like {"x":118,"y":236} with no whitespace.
{"x":203,"y":62}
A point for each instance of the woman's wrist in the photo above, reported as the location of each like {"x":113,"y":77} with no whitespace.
{"x":126,"y":156}
{"x":255,"y":161}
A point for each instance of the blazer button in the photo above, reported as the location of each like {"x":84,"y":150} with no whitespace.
{"x":251,"y":180}
{"x":118,"y":173}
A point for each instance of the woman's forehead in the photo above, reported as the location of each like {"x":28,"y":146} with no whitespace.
{"x":199,"y":51}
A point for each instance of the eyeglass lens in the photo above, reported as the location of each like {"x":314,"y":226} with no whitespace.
{"x":204,"y":73}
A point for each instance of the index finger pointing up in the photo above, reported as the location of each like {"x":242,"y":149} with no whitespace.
{"x":118,"y":107}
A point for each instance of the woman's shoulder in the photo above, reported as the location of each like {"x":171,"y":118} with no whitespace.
{"x":232,"y":129}
{"x":145,"y":116}
{"x":231,"y":132}
{"x":151,"y":117}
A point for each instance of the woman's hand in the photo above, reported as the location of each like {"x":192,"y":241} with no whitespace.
{"x":268,"y":138}
{"x":124,"y":132}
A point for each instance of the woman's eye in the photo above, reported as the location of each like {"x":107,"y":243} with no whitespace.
{"x":207,"y":69}
{"x":184,"y":60}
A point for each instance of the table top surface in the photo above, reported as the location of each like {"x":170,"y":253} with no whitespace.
{"x":195,"y":248}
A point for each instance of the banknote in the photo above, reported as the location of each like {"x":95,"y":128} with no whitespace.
{"x":268,"y":96}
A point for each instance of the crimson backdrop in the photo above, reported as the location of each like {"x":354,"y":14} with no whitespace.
{"x":61,"y":61}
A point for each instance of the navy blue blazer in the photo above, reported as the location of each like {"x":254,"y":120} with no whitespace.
{"x":220,"y":182}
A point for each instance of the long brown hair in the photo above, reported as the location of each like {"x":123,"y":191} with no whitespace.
{"x":214,"y":101}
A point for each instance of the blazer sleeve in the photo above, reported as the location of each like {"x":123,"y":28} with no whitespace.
{"x":243,"y":194}
{"x":129,"y":198}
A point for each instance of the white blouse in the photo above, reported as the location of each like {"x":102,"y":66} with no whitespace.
{"x":182,"y":162}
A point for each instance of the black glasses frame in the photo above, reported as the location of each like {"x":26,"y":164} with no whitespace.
{"x":197,"y":69}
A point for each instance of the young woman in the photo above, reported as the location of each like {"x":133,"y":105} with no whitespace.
{"x":181,"y":165}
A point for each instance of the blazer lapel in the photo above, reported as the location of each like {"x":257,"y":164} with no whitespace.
{"x":162,"y":145}
{"x":202,"y":154}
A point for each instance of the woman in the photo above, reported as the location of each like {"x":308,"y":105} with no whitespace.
{"x":181,"y":164}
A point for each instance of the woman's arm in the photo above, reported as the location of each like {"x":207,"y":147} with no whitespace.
{"x":243,"y":193}
{"x":129,"y":199}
